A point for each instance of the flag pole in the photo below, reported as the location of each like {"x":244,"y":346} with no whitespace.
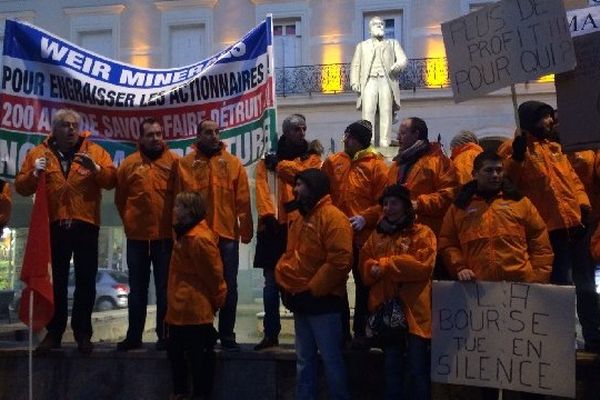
{"x":30,"y":361}
{"x":513,"y":92}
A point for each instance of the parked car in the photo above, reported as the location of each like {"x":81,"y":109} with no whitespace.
{"x":112,"y":290}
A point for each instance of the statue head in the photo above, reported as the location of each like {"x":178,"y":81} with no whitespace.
{"x":376,"y":27}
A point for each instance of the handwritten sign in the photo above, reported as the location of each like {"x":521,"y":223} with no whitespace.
{"x":505,"y":335}
{"x":504,"y":43}
{"x":584,"y":20}
{"x":578,"y":97}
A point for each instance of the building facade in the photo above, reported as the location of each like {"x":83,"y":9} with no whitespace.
{"x":314,"y":41}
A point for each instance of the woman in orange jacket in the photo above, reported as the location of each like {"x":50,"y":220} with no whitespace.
{"x":196,"y":290}
{"x":397,"y":261}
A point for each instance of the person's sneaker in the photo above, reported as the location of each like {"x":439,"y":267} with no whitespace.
{"x":267,"y":342}
{"x":229,"y":345}
{"x":161,"y":345}
{"x":85,"y":346}
{"x":126,"y":345}
{"x":49,"y":343}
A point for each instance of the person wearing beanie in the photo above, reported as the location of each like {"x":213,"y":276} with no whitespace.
{"x":423,"y":168}
{"x":397,"y":261}
{"x":479,"y":239}
{"x":358,"y":176}
{"x":312,"y":275}
{"x":541,"y":171}
{"x":465,"y":147}
{"x":275,"y":177}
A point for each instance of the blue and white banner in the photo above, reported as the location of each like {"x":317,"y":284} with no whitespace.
{"x":42,"y":73}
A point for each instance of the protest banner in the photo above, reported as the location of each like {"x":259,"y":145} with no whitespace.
{"x":578,"y":97}
{"x":584,"y":20}
{"x":507,"y":42}
{"x":42,"y":73}
{"x":505,"y":335}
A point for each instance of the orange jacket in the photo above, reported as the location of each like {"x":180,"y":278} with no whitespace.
{"x":5,"y":205}
{"x":432,"y":182}
{"x":196,"y":288}
{"x":356,"y":184}
{"x":406,"y":260}
{"x":318,"y":256}
{"x":286,"y":172}
{"x":502,"y":240}
{"x":223,"y":182}
{"x":144,"y":195}
{"x":587,"y":167}
{"x":462,"y":157}
{"x":78,"y":195}
{"x":547,"y":178}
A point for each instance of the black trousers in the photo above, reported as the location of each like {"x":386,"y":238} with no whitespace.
{"x":360,"y":301}
{"x":79,"y":240}
{"x":191,"y":348}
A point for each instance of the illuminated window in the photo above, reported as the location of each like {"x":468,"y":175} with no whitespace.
{"x":287,"y":42}
{"x":96,"y":28}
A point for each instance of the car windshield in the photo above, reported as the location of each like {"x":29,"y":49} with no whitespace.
{"x":120,"y":277}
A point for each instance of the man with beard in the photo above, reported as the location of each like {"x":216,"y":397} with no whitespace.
{"x":222,"y":181}
{"x":144,"y":199}
{"x":494,"y":233}
{"x":293,"y":154}
{"x":358,"y":176}
{"x":76,"y":171}
{"x":542,"y":172}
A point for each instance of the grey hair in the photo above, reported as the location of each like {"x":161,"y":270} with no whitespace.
{"x":62,"y":114}
{"x":375,"y":18}
{"x":291,"y":121}
{"x":463,"y":137}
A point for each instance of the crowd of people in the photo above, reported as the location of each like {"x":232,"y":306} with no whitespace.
{"x":522,"y":213}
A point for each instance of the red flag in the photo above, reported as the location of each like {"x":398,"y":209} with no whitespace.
{"x":36,"y":270}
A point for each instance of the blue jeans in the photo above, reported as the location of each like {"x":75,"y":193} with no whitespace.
{"x":572,"y":259}
{"x":230,"y":255}
{"x":140,"y":254}
{"x":321,"y":332}
{"x":412,"y":364}
{"x":271,"y":322}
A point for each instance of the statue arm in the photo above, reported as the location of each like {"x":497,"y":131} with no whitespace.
{"x":401,"y":60}
{"x":355,"y":69}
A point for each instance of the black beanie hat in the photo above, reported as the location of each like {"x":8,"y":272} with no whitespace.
{"x":530,"y":112}
{"x":317,"y":182}
{"x":362,"y":131}
{"x":398,"y":191}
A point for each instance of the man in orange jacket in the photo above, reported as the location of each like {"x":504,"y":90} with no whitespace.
{"x":76,"y":172}
{"x":312,"y":274}
{"x":494,"y":233}
{"x":542,"y":172}
{"x":221,"y":179}
{"x":293,"y":154}
{"x":358,"y":176}
{"x":144,"y":199}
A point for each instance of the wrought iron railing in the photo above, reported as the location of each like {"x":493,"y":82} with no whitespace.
{"x":335,"y":78}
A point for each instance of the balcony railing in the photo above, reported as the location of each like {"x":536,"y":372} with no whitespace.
{"x":335,"y":78}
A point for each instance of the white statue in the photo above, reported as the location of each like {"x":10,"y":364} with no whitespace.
{"x":374,"y":76}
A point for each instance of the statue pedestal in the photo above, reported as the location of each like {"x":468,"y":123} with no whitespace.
{"x":388,"y":152}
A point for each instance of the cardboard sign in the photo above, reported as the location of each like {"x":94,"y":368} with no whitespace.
{"x":578,"y":97}
{"x":504,"y":335}
{"x":584,"y":20}
{"x":506,"y":42}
